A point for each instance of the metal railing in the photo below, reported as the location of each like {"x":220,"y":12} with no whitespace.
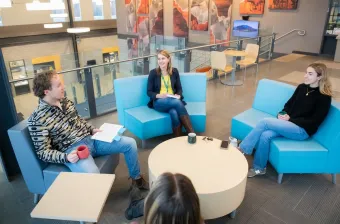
{"x":300,"y":33}
{"x":181,"y":51}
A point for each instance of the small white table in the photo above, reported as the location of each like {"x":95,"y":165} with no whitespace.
{"x":234,"y":54}
{"x":218,"y":175}
{"x":75,"y":197}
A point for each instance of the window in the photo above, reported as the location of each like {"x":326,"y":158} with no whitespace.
{"x":98,"y":9}
{"x":113,"y":9}
{"x":58,"y":19}
{"x":1,"y":21}
{"x":76,"y":10}
{"x":59,"y":11}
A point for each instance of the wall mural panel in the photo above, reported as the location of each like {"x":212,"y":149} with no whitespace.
{"x":220,"y":20}
{"x":156,"y":17}
{"x":199,"y":12}
{"x":252,"y":7}
{"x":130,"y":6}
{"x":143,"y":35}
{"x":142,"y":7}
{"x":181,"y":18}
{"x":283,"y":4}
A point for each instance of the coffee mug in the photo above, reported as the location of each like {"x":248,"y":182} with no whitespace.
{"x":83,"y":152}
{"x":192,"y":138}
{"x":282,"y":113}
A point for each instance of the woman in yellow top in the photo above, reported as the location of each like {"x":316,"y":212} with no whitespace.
{"x":165,"y":92}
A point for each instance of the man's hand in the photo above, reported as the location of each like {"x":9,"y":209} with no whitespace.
{"x":96,"y":130}
{"x":73,"y":157}
{"x":161,"y":96}
{"x":284,"y":117}
{"x":178,"y":96}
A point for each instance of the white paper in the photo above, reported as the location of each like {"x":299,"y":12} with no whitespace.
{"x":173,"y":96}
{"x":108,"y":133}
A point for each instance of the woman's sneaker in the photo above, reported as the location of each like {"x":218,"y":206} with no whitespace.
{"x":254,"y":172}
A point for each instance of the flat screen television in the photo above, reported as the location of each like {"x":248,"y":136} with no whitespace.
{"x":243,"y":28}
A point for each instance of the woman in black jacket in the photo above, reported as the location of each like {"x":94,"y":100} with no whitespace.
{"x":165,"y":92}
{"x":300,"y":118}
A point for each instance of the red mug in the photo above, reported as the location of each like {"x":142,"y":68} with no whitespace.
{"x":83,"y":152}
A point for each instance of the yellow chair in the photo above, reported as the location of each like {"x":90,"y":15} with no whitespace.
{"x":252,"y":51}
{"x":222,"y":63}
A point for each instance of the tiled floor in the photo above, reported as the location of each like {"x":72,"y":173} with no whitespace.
{"x":299,"y":199}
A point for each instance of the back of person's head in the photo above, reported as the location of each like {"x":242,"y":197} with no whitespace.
{"x":172,"y":200}
{"x":324,"y":83}
{"x":42,"y":82}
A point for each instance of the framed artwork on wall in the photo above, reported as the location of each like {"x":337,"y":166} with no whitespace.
{"x":252,"y":7}
{"x":283,"y":4}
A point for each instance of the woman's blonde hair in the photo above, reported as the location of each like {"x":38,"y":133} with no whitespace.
{"x":167,"y":55}
{"x":324,"y":83}
{"x":172,"y":199}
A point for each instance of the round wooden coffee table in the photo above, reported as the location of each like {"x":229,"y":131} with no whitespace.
{"x":218,"y":175}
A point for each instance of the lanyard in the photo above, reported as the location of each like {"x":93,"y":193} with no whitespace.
{"x":166,"y":84}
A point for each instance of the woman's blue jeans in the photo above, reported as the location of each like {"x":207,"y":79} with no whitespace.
{"x":174,"y":107}
{"x":264,"y":132}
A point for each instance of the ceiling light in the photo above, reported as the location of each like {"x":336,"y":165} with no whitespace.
{"x":37,"y":5}
{"x":5,"y":3}
{"x":60,"y":15}
{"x":53,"y":25}
{"x":78,"y":30}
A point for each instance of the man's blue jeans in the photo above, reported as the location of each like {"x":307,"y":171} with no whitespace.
{"x":126,"y":145}
{"x":264,"y":132}
{"x":174,"y":107}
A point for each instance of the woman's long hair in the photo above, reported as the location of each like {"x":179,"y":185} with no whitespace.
{"x":324,"y":83}
{"x":167,"y":55}
{"x":172,"y":200}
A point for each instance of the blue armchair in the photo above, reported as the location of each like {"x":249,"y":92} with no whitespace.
{"x":37,"y":174}
{"x":145,"y":123}
{"x":318,"y":154}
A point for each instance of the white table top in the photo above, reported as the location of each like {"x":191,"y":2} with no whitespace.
{"x":210,"y":168}
{"x":235,"y":53}
{"x":75,"y":197}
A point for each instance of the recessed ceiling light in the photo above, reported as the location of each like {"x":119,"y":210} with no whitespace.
{"x":53,"y":25}
{"x":78,"y":30}
{"x":60,"y":15}
{"x":5,"y":3}
{"x":37,"y":5}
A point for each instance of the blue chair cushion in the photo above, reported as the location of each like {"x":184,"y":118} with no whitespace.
{"x":292,"y":156}
{"x":244,"y":122}
{"x":147,"y":123}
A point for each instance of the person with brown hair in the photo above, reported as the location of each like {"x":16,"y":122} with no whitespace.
{"x":166,"y":95}
{"x":300,"y":118}
{"x":57,"y":131}
{"x":172,"y":199}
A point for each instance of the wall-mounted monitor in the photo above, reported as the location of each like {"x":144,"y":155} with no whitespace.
{"x":243,"y":28}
